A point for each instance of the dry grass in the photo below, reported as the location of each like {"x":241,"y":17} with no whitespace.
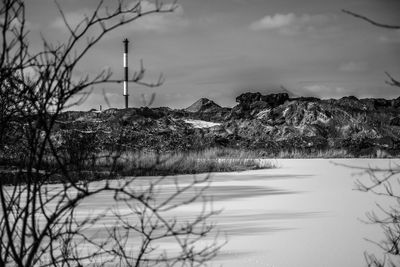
{"x":210,"y":160}
{"x":329,"y":153}
{"x":332,"y":153}
{"x":111,"y":166}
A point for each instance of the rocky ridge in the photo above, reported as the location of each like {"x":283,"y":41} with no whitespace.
{"x":267,"y":123}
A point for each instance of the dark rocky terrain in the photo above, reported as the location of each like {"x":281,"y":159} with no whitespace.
{"x":268,"y":124}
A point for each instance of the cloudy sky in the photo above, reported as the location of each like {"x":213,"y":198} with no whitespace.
{"x":221,"y":48}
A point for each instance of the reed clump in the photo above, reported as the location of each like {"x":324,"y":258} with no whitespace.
{"x":209,"y":160}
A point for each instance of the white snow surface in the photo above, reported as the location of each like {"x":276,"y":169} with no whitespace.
{"x":201,"y":123}
{"x":304,"y":213}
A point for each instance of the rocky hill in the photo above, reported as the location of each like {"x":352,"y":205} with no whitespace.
{"x":267,"y":123}
{"x":203,"y":105}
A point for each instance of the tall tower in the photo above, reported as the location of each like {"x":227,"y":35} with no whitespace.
{"x":126,"y":95}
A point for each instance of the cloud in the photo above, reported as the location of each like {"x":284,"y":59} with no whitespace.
{"x":354,"y":66}
{"x":156,"y":22}
{"x":291,"y":24}
{"x":273,"y":22}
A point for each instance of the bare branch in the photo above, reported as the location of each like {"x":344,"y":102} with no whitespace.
{"x":392,"y":81}
{"x":382,"y":25}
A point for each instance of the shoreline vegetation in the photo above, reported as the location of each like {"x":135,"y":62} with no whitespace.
{"x":109,"y":166}
{"x":206,"y":161}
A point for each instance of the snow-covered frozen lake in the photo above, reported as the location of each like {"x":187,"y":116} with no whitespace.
{"x":305,"y":213}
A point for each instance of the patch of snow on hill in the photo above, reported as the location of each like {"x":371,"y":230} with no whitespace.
{"x":201,"y":124}
{"x":263,"y":114}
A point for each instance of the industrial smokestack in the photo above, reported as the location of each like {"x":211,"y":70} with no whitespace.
{"x":126,"y":95}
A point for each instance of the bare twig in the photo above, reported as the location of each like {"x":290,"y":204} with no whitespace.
{"x":382,"y":25}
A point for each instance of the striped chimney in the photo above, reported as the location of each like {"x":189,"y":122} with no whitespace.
{"x":126,"y":95}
